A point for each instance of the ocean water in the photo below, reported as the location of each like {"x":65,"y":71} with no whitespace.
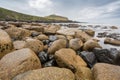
{"x":99,"y":28}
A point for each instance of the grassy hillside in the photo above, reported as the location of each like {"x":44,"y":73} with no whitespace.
{"x":56,"y":17}
{"x":12,"y":15}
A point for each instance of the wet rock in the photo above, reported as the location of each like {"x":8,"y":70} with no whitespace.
{"x":114,"y":36}
{"x":73,"y":25}
{"x":43,"y":56}
{"x":6,"y":44}
{"x":34,"y":45}
{"x":104,"y":27}
{"x":49,"y":45}
{"x":104,"y":55}
{"x":114,"y":27}
{"x":97,"y":26}
{"x":18,"y":33}
{"x":90,"y":45}
{"x":112,"y":41}
{"x":83,"y":73}
{"x":75,"y":44}
{"x":89,"y":58}
{"x":52,"y":29}
{"x":46,"y":42}
{"x":18,"y":62}
{"x":102,"y":71}
{"x":42,"y":37}
{"x":67,"y":58}
{"x":49,"y":73}
{"x":56,"y":45}
{"x":100,"y":35}
{"x":90,"y":32}
{"x":51,"y":57}
{"x":109,"y":35}
{"x":52,"y":38}
{"x":19,"y":44}
{"x":50,"y":63}
{"x":117,"y":59}
{"x":110,"y":56}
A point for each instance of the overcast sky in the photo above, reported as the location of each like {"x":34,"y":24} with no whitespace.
{"x":93,"y":11}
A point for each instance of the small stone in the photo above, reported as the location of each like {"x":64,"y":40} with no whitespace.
{"x":43,"y":57}
{"x":50,"y":63}
{"x":46,"y":42}
{"x":52,"y":38}
{"x":34,"y":34}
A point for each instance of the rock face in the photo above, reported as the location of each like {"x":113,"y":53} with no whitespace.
{"x":56,"y":45}
{"x":90,"y":45}
{"x":34,"y":45}
{"x":75,"y":43}
{"x":102,"y":71}
{"x":90,"y":32}
{"x":112,"y":41}
{"x":5,"y":43}
{"x":89,"y":58}
{"x":52,"y":29}
{"x":18,"y":33}
{"x":83,"y":73}
{"x":50,"y":73}
{"x":68,"y":58}
{"x":18,"y":62}
{"x":19,"y":44}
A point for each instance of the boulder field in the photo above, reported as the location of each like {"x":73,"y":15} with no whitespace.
{"x":34,"y":51}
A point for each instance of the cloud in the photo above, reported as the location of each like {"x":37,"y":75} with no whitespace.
{"x":99,"y":12}
{"x":41,"y":7}
{"x":40,"y":4}
{"x":103,"y":11}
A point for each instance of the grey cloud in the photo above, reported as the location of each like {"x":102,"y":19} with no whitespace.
{"x":71,"y":9}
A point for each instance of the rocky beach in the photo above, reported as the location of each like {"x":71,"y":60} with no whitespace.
{"x":59,"y":51}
